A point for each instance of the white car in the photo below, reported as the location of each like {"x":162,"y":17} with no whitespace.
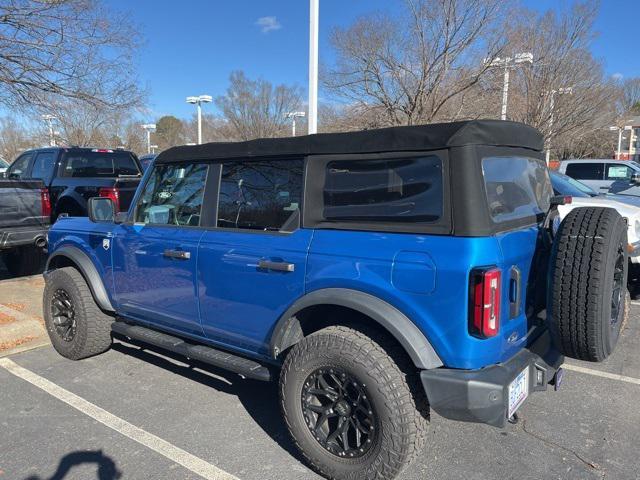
{"x":584,"y":196}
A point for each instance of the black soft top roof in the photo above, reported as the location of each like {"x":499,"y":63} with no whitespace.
{"x":392,"y":139}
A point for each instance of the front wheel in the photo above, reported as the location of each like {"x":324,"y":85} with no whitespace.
{"x":353,"y":404}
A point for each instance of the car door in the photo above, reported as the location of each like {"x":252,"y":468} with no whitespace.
{"x":590,"y":173}
{"x":621,"y":175}
{"x":252,"y":264}
{"x":155,"y":255}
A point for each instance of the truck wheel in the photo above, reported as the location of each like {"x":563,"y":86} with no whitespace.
{"x":24,"y":261}
{"x":588,"y":279}
{"x":353,"y":404}
{"x":75,"y":324}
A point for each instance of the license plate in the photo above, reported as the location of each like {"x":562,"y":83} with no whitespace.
{"x":518,"y":391}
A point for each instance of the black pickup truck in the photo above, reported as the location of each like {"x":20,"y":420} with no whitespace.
{"x":73,"y":175}
{"x":25,"y":212}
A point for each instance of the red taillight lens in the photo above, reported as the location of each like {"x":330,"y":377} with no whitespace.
{"x":113,"y":194}
{"x":485,"y":302}
{"x":45,"y":202}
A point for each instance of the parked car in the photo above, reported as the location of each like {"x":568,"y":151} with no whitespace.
{"x":73,"y":175}
{"x":605,"y":176}
{"x":25,"y":212}
{"x":376,"y":275}
{"x":147,"y":160}
{"x":3,"y":165}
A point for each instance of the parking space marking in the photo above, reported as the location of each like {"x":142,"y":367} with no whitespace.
{"x":598,"y":373}
{"x":157,"y":444}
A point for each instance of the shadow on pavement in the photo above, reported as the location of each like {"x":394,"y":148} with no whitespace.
{"x":106,"y":466}
{"x":260,"y":399}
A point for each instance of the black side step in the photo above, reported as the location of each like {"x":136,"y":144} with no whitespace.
{"x":240,"y":365}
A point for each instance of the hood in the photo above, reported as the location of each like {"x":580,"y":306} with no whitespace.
{"x":624,"y":209}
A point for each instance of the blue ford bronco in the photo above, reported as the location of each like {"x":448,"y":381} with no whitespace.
{"x":377,"y":275}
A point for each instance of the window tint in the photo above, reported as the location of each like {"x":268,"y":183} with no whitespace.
{"x":43,"y":165}
{"x":405,"y":190}
{"x":260,"y":195}
{"x":617,"y":171}
{"x":18,"y":168}
{"x":99,"y":164}
{"x":517,"y":187}
{"x":586,"y":171}
{"x":173,"y":195}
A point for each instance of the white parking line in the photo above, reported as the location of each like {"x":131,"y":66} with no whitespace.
{"x":598,"y":373}
{"x":157,"y":444}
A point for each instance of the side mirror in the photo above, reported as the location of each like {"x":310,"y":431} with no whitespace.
{"x":635,"y":178}
{"x":101,"y":209}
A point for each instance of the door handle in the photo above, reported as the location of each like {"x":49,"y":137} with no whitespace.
{"x":277,"y":266}
{"x":178,"y":254}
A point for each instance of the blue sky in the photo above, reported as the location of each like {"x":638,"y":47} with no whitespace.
{"x":191,"y":46}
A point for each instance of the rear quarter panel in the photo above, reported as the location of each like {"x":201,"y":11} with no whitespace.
{"x":424,"y":276}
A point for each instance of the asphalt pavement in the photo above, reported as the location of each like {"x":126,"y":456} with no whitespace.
{"x":135,"y":413}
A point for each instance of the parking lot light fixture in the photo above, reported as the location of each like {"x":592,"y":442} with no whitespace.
{"x":508,"y":63}
{"x":552,"y":95}
{"x":149,"y":127}
{"x":48,"y":118}
{"x":293,"y":116}
{"x":198,"y":101}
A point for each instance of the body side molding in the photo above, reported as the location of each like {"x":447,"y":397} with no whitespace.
{"x":89,"y":272}
{"x":287,"y":331}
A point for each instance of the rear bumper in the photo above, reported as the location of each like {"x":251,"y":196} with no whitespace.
{"x":482,"y":396}
{"x":18,"y":237}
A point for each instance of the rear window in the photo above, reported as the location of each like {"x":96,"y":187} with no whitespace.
{"x":586,"y":171}
{"x":99,"y":164}
{"x":407,"y":190}
{"x":516,"y":187}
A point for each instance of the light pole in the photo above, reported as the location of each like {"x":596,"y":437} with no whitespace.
{"x":149,"y":127}
{"x":49,"y":121}
{"x":199,"y":100}
{"x":552,"y":104}
{"x":292,"y":116}
{"x":508,"y":63}
{"x":314,"y":9}
{"x":620,"y":130}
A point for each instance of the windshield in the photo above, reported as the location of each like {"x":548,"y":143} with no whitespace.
{"x":565,"y":185}
{"x":99,"y":163}
{"x":3,"y":163}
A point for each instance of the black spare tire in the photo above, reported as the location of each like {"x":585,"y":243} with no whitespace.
{"x":587,"y":287}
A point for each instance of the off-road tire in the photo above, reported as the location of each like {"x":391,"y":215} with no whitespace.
{"x":590,"y":242}
{"x":93,"y":326}
{"x":24,"y":261}
{"x":392,"y":384}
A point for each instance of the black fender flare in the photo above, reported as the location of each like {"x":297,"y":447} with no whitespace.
{"x":88,"y":270}
{"x":288,"y":331}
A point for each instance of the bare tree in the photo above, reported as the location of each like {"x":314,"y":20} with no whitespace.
{"x":256,"y":108}
{"x":14,"y":139}
{"x":406,"y":69}
{"x":630,"y":96}
{"x":70,"y":48}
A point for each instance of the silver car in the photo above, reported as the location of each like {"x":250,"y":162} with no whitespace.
{"x":621,"y":177}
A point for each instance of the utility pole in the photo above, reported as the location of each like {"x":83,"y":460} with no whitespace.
{"x":314,"y":11}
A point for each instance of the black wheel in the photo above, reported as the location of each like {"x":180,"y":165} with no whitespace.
{"x":75,"y":324}
{"x":588,"y":287}
{"x":353,"y":404}
{"x":24,"y":261}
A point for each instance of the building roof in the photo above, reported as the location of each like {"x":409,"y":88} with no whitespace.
{"x":392,"y":139}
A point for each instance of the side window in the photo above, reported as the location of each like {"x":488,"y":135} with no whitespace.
{"x":18,"y":169}
{"x":173,"y":195}
{"x":43,"y":166}
{"x":586,"y":171}
{"x":259,"y":195}
{"x":617,"y":171}
{"x":407,"y":190}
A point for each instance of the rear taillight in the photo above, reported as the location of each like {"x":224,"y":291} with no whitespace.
{"x":45,"y":202}
{"x":484,"y":321}
{"x":112,"y":193}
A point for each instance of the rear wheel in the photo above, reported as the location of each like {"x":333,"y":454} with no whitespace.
{"x":75,"y":324}
{"x":24,"y":261}
{"x":587,"y":292}
{"x":353,"y":404}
